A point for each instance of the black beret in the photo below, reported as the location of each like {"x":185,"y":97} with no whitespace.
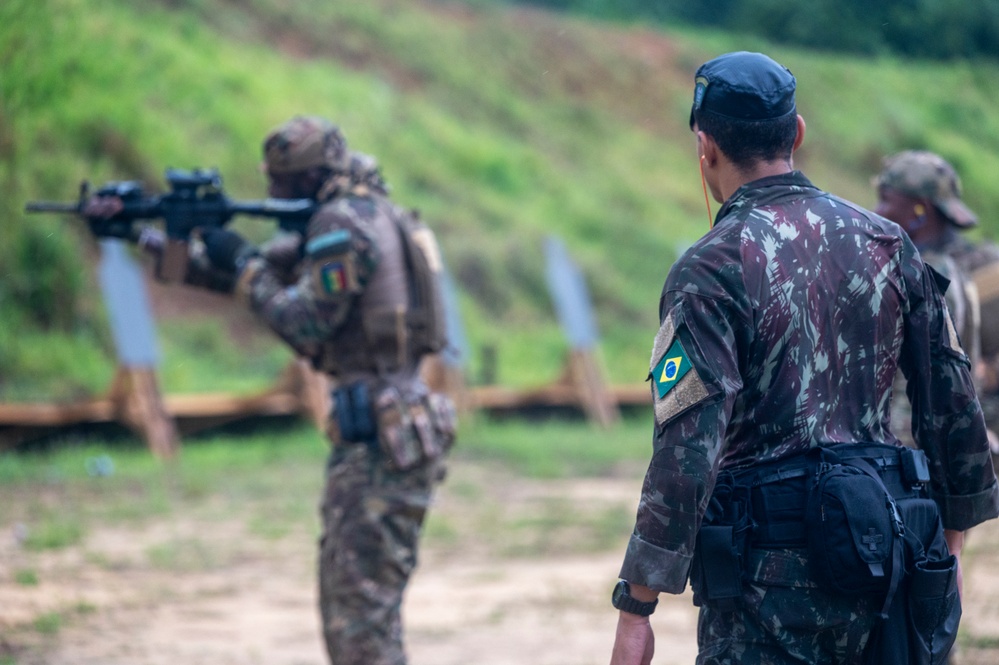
{"x":743,"y":86}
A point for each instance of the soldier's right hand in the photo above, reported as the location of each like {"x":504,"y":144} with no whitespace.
{"x":227,"y":250}
{"x":102,"y":207}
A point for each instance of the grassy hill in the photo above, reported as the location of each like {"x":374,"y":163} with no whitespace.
{"x":501,"y":125}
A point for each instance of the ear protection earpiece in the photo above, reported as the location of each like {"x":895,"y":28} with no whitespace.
{"x":919,"y":209}
{"x":704,"y":184}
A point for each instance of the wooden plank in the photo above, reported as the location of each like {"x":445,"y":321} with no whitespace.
{"x":207,"y":405}
{"x":559,"y":394}
{"x":56,"y":415}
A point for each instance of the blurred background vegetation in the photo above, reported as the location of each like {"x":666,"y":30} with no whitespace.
{"x":942,"y":29}
{"x":501,"y":122}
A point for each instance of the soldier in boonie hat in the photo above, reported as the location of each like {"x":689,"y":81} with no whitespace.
{"x":922,"y":174}
{"x":743,"y":86}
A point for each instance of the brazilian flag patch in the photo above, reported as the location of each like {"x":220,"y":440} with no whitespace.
{"x":672,"y":367}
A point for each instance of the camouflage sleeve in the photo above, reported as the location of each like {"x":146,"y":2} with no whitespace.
{"x":336,"y":265}
{"x":947,"y":418}
{"x":694,"y":375}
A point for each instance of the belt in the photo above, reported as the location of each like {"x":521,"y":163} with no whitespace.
{"x":778,"y":490}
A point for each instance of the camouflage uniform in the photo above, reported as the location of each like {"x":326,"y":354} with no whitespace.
{"x":344,"y":307}
{"x":962,"y":302}
{"x":972,"y":268}
{"x":979,"y":262}
{"x":782,"y":329}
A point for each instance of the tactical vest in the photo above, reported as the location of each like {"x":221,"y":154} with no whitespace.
{"x":986,"y":281}
{"x":399,"y":317}
{"x":981,"y":262}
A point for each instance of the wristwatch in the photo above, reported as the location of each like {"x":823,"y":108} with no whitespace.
{"x":624,"y":601}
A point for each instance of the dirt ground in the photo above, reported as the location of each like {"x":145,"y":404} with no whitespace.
{"x":254,"y":601}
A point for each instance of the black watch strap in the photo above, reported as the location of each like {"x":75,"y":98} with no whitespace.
{"x":624,"y":601}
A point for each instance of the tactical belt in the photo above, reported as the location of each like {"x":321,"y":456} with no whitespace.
{"x":778,"y":494}
{"x":755,"y":527}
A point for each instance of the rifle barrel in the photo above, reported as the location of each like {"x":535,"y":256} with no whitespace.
{"x":282,"y":208}
{"x":51,"y":206}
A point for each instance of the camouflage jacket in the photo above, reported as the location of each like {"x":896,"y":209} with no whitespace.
{"x":970,"y":257}
{"x":782,"y":329}
{"x":342,"y":311}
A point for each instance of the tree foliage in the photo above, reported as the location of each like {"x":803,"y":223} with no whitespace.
{"x":938,"y":29}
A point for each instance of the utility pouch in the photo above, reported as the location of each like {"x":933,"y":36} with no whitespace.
{"x":934,"y":610}
{"x":719,"y":569}
{"x":397,"y":434}
{"x":915,"y":468}
{"x":719,"y":554}
{"x":414,"y":427}
{"x":444,"y":419}
{"x":352,"y":420}
{"x":853,"y":532}
{"x":921,"y":627}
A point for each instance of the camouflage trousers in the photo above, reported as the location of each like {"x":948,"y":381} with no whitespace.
{"x":783,"y":618}
{"x":371,"y":528}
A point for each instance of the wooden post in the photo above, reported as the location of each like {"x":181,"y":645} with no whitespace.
{"x":138,"y":404}
{"x":314,"y":393}
{"x":572,"y":304}
{"x":135,"y":391}
{"x":588,"y":380}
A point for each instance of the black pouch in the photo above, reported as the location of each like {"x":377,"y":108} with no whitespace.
{"x":922,"y":625}
{"x":353,"y":414}
{"x":717,"y":569}
{"x":853,"y":532}
{"x":934,"y":610}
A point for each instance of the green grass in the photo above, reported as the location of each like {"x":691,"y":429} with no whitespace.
{"x":49,"y":623}
{"x":57,"y":500}
{"x":26,"y":577}
{"x":556,"y":449}
{"x":272,"y":476}
{"x":500,"y":126}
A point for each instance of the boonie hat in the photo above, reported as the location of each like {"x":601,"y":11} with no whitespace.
{"x":303,"y":143}
{"x":920,"y":173}
{"x":743,"y":86}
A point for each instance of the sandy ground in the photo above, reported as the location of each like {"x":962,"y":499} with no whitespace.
{"x":245,"y":600}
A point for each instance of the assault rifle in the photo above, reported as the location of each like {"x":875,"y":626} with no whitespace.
{"x":196,"y":200}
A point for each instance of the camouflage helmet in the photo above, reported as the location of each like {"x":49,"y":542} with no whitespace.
{"x":919,"y":173}
{"x":302,"y":143}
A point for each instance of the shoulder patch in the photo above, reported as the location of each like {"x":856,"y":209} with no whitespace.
{"x":676,"y":385}
{"x":333,"y":265}
{"x":672,"y":367}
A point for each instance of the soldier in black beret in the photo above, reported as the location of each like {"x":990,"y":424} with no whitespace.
{"x":771,"y":375}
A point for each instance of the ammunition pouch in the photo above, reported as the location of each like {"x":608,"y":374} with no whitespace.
{"x":860,"y":515}
{"x":719,"y":564}
{"x":352,"y":419}
{"x":406,"y":424}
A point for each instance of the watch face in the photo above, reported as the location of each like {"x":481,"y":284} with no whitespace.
{"x":620,"y":592}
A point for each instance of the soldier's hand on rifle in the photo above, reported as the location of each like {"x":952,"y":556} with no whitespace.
{"x":102,"y":207}
{"x":284,"y":251}
{"x":227,"y":250}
